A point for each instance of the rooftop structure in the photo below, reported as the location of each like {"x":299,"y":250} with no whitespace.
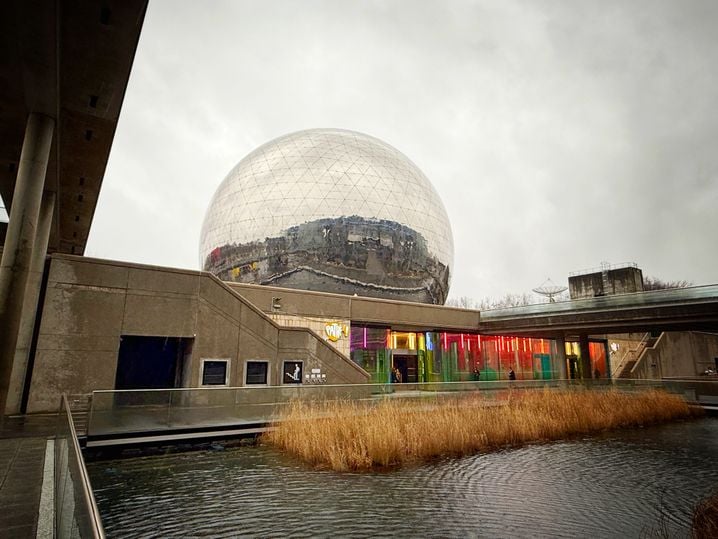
{"x":606,"y":280}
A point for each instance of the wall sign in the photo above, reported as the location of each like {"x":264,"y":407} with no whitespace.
{"x":292,"y":372}
{"x":335,"y":331}
{"x":316,"y":377}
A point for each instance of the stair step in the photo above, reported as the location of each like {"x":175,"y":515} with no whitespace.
{"x":80,"y":409}
{"x":626,"y":371}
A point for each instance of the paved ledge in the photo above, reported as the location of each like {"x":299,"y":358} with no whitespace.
{"x":23,"y":442}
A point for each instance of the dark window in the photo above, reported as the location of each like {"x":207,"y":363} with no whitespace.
{"x":214,"y":373}
{"x":256,"y":372}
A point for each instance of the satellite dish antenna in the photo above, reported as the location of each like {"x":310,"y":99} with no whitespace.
{"x":549,"y":289}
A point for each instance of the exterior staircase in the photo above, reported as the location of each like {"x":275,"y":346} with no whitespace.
{"x":80,"y":409}
{"x":634,"y":355}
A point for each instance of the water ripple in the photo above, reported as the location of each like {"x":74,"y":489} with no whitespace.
{"x":613,"y":485}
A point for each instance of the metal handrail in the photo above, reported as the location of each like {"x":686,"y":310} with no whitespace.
{"x":640,"y":357}
{"x":606,"y":267}
{"x":630,"y":354}
{"x":89,"y":498}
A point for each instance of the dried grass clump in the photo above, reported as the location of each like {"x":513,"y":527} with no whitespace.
{"x":705,"y":519}
{"x":348,"y":435}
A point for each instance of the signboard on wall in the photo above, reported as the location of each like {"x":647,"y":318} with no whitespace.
{"x":292,"y":372}
{"x":316,"y":377}
{"x":335,"y":331}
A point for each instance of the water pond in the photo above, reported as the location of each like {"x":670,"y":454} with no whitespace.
{"x":618,"y":484}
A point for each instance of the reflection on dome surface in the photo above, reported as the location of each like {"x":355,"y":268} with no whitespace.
{"x":334,"y":211}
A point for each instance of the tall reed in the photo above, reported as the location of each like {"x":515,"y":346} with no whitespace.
{"x":348,"y":435}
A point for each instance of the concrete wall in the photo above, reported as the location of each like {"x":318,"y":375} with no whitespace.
{"x":607,"y":283}
{"x":685,"y":353}
{"x":397,"y":314}
{"x":318,"y":354}
{"x":318,"y":326}
{"x":89,"y":304}
{"x":628,"y":345}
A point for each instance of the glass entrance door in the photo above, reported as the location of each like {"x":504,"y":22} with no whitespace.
{"x":407,"y":368}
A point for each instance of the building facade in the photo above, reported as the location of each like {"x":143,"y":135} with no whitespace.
{"x":115,"y":325}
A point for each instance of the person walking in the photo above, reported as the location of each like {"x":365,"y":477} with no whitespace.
{"x":512,"y":374}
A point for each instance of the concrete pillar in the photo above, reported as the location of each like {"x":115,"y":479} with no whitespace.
{"x":586,"y":372}
{"x":30,"y":308}
{"x":561,"y":357}
{"x":607,"y":351}
{"x":20,"y":237}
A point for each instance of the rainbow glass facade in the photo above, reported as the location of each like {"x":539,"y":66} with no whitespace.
{"x":596,"y":366}
{"x":434,"y":356}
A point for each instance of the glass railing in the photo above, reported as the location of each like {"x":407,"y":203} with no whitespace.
{"x":699,"y":390}
{"x":76,"y":514}
{"x":146,"y":412}
{"x":634,"y":299}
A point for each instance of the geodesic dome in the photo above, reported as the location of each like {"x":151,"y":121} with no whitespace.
{"x":331,"y":210}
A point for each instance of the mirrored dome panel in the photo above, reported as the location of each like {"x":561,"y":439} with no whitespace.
{"x":330,"y":210}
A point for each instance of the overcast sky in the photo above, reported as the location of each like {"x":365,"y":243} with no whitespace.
{"x":558,"y":134}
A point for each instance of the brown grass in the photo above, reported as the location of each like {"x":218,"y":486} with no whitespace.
{"x":347,"y":435}
{"x":705,"y":519}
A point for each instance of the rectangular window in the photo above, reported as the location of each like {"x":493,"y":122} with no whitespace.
{"x":256,"y":372}
{"x":215,"y":372}
{"x":292,"y":372}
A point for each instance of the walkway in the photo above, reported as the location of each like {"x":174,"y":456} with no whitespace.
{"x":22,"y":458}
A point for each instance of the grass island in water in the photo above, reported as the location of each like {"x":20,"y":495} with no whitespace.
{"x":350,"y":435}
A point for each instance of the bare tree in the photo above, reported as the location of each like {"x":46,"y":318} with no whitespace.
{"x":654,"y":283}
{"x":509,"y":300}
{"x":464,"y":302}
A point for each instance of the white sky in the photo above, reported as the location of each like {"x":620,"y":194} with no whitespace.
{"x":558,"y":134}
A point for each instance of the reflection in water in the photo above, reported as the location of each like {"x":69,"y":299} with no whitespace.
{"x":605,"y":486}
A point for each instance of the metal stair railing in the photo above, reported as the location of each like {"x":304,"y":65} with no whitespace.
{"x":630,"y":355}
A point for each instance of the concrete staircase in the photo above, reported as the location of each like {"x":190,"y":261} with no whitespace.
{"x":635,"y":355}
{"x":626,"y":370}
{"x":80,"y":409}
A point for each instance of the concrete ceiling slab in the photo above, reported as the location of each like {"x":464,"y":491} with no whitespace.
{"x":69,"y":60}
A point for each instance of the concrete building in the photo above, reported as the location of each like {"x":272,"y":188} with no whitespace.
{"x":71,"y":324}
{"x":605,"y":281}
{"x":64,"y":68}
{"x":644,"y":355}
{"x":115,"y":325}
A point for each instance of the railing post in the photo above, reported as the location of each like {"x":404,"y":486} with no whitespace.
{"x":81,"y":482}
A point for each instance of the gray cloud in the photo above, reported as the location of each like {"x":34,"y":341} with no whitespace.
{"x":559,"y":134}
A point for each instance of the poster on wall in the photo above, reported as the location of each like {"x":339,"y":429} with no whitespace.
{"x":292,"y":372}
